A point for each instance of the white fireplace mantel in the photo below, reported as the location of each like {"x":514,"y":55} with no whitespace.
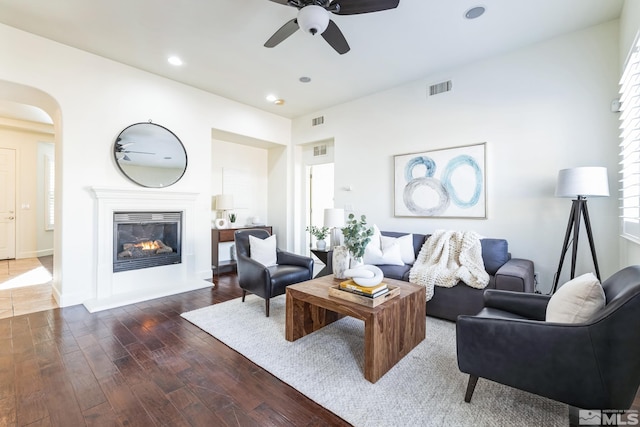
{"x":127,"y":287}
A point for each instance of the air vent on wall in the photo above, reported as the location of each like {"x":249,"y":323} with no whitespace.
{"x":440,"y":88}
{"x":319,"y":150}
{"x":317,"y":121}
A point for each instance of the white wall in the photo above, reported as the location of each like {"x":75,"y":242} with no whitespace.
{"x":241,"y":170}
{"x":538,"y":109}
{"x":92,"y":100}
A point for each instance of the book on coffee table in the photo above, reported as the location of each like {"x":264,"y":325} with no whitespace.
{"x":368,"y":301}
{"x":376,"y":294}
{"x":363,"y":290}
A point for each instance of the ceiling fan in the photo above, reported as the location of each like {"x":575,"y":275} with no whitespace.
{"x":313,"y":18}
{"x":121,"y":151}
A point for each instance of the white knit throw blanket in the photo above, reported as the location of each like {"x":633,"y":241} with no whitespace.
{"x":448,"y":257}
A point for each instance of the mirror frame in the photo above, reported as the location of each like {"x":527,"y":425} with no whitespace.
{"x":148,"y":184}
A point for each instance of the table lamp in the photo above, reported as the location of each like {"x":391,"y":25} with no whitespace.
{"x":224,"y":203}
{"x":334,"y":219}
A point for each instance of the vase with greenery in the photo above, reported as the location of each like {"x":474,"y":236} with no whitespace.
{"x":320,"y":233}
{"x":356,"y":236}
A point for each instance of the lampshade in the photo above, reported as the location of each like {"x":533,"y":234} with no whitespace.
{"x":584,"y":181}
{"x":313,"y":19}
{"x":224,"y":202}
{"x":333,"y":218}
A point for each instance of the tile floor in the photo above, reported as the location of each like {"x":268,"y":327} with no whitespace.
{"x":25,"y":287}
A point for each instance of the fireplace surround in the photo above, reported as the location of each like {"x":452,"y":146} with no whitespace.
{"x":117,"y":288}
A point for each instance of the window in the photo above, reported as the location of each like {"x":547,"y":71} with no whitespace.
{"x":49,"y":192}
{"x":630,"y":146}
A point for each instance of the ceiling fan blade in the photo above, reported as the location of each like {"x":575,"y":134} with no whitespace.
{"x":353,"y":7}
{"x":285,"y":31}
{"x":335,"y":38}
{"x":137,"y":152}
{"x":284,"y":2}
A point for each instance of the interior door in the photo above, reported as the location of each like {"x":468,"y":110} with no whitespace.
{"x":7,"y":203}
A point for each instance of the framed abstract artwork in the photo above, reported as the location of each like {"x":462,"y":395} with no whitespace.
{"x":446,"y":183}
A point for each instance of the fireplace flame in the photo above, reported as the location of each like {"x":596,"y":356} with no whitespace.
{"x":143,"y":249}
{"x":147,"y":246}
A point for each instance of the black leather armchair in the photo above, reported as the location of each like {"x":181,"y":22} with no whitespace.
{"x":268,"y":282}
{"x":590,"y":365}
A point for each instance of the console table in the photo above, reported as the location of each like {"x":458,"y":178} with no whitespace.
{"x":221,"y":235}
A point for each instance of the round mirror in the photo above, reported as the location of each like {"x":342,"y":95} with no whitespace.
{"x":150,"y":155}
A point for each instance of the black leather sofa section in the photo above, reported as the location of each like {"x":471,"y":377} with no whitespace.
{"x":506,"y":273}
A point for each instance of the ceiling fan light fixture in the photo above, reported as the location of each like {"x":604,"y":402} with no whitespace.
{"x":313,"y":19}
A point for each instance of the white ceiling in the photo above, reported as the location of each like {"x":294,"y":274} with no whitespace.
{"x":221,"y":41}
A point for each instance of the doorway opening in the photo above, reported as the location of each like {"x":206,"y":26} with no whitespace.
{"x":26,"y":258}
{"x":320,"y":184}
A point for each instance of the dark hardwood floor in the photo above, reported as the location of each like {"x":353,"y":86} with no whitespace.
{"x":139,"y":365}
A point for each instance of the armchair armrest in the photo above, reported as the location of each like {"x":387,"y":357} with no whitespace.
{"x":531,"y":306}
{"x":550,"y":359}
{"x":253,"y":275}
{"x":516,"y":275}
{"x":290,"y":258}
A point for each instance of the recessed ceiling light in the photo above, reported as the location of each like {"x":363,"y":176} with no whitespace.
{"x":174,"y":60}
{"x":305,"y":79}
{"x":474,"y":12}
{"x":275,"y":100}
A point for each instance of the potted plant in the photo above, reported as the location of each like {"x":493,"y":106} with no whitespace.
{"x":356,"y":236}
{"x":232,"y":218}
{"x":320,"y":233}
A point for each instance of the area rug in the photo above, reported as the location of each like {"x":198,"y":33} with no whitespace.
{"x":424,"y":389}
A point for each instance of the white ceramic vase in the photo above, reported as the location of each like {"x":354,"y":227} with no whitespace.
{"x":321,"y":245}
{"x":340,"y":261}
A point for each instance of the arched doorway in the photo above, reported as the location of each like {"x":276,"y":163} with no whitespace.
{"x":29,"y":136}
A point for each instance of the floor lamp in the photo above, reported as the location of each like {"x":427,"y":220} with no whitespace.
{"x":580,"y":183}
{"x":334,"y":219}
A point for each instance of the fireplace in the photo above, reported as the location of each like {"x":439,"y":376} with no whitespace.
{"x":146,"y":239}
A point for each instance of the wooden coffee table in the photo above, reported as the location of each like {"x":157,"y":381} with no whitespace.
{"x":391,"y":330}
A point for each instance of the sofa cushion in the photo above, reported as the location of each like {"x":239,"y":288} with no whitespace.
{"x":418,"y":239}
{"x":576,"y":301}
{"x":378,"y":252}
{"x":398,"y":272}
{"x":405,"y":243}
{"x":495,"y":253}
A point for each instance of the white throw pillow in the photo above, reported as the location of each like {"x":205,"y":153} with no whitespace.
{"x":406,"y":246}
{"x":577,"y":300}
{"x":263,"y":250}
{"x":377,"y":254}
